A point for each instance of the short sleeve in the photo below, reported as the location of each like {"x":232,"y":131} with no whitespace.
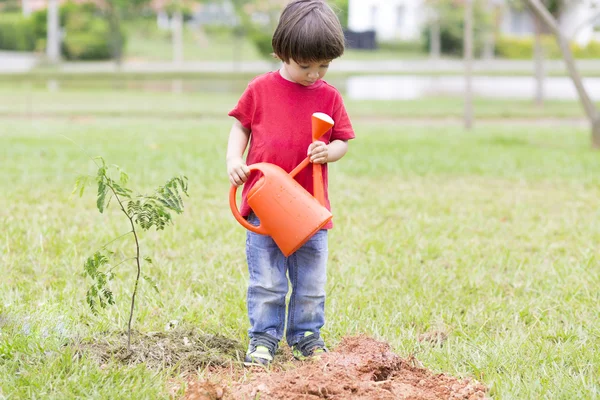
{"x":342,"y":130}
{"x":244,"y":109}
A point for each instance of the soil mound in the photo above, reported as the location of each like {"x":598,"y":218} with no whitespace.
{"x":360,"y":368}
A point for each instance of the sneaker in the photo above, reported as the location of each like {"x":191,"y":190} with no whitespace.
{"x":261,"y":350}
{"x":311,"y":346}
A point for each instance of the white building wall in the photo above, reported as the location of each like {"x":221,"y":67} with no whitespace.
{"x":391,"y":19}
{"x":404,"y":19}
{"x":575,"y":21}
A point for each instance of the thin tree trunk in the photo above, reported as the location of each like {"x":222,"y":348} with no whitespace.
{"x":53,"y":33}
{"x":177,"y":35}
{"x":468,"y":58}
{"x":116,"y":41}
{"x":590,"y":108}
{"x":435,"y":42}
{"x":490,"y":33}
{"x":25,"y":8}
{"x":539,"y":63}
{"x":596,"y":133}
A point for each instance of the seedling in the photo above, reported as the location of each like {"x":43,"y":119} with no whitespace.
{"x":142,"y":212}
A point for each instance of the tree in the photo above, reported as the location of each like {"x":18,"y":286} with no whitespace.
{"x":53,"y":32}
{"x":542,"y":12}
{"x":468,"y":55}
{"x":115,"y":12}
{"x":555,"y":7}
{"x":177,"y":8}
{"x":260,"y":33}
{"x":447,"y":18}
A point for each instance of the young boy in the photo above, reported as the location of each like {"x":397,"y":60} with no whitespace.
{"x":275,"y":112}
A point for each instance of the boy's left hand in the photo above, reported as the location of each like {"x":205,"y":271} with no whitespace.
{"x":318,"y":152}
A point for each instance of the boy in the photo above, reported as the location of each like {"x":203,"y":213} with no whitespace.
{"x":275,"y":111}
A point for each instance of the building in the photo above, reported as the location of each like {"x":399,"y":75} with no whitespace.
{"x":404,"y":19}
{"x":390,"y":19}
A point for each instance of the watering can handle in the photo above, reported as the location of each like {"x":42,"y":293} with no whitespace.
{"x":236,"y":212}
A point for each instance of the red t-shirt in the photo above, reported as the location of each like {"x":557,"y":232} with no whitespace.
{"x":278,"y":113}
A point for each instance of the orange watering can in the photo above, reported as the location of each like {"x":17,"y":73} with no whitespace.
{"x":287,"y":212}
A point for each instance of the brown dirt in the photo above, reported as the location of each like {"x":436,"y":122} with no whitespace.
{"x":360,"y":368}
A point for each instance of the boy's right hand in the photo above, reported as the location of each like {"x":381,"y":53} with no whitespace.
{"x":238,"y":171}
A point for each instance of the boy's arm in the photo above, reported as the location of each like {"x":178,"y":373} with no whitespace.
{"x":237,"y":169}
{"x":321,"y":153}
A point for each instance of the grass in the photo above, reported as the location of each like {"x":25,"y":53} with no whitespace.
{"x":212,"y":98}
{"x":489,"y":236}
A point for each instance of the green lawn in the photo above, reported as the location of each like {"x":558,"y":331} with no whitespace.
{"x":490,"y":236}
{"x":212,"y":98}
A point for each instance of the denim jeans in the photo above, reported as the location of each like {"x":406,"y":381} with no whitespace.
{"x":268,"y":286}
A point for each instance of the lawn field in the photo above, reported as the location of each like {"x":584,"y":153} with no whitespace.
{"x":489,"y":237}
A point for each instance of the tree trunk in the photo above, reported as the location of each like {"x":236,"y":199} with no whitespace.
{"x":435,"y":42}
{"x":489,"y":45}
{"x":116,"y":41}
{"x":468,"y":58}
{"x":538,"y":55}
{"x":177,"y":36}
{"x":596,"y":133}
{"x":25,"y":8}
{"x":53,"y":33}
{"x":588,"y":105}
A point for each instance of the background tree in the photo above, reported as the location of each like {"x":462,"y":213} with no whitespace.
{"x":177,"y":9}
{"x":116,"y":10}
{"x":53,"y":32}
{"x":468,"y":56}
{"x":447,"y":18}
{"x":258,"y":19}
{"x":543,"y":13}
{"x":555,"y":7}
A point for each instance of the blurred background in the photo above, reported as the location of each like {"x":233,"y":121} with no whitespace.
{"x":397,"y":49}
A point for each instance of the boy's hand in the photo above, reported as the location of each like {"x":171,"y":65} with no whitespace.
{"x":318,"y":152}
{"x":238,"y":171}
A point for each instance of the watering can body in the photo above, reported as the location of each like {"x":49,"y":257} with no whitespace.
{"x":287,"y":212}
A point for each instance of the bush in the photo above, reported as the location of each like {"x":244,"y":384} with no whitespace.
{"x":263,"y":42}
{"x":514,"y":47}
{"x":16,"y":33}
{"x":89,"y":44}
{"x":86,"y":32}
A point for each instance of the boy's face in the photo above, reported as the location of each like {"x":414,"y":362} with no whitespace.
{"x":304,"y":73}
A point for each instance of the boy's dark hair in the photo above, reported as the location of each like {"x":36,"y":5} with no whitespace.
{"x":308,"y":31}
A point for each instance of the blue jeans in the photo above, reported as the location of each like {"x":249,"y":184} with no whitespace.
{"x":268,"y":286}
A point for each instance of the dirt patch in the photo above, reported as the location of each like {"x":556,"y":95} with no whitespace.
{"x":360,"y":368}
{"x":181,"y":348}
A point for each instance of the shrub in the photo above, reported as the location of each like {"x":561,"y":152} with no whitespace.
{"x":86,"y":38}
{"x":262,"y":41}
{"x":86,"y":32}
{"x":16,"y":33}
{"x":516,"y":47}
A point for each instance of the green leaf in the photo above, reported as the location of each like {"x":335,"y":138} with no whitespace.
{"x":80,"y":183}
{"x":148,"y":260}
{"x":102,"y":191}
